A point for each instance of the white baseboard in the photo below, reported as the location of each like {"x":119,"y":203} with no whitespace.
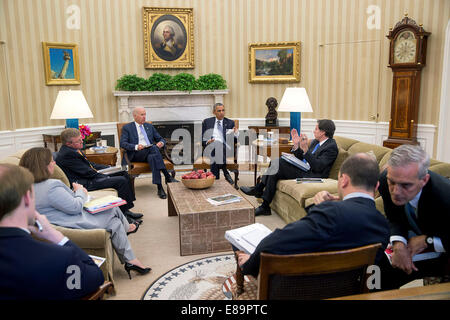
{"x":366,"y":131}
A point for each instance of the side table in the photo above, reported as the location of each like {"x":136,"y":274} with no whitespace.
{"x":109,"y":157}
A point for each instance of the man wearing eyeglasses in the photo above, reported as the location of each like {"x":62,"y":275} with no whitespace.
{"x":417,"y":205}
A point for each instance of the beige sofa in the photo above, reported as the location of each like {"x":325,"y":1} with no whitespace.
{"x":95,"y":242}
{"x":291,"y":198}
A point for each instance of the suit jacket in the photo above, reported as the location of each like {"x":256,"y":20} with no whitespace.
{"x":433,"y":210}
{"x":129,"y":138}
{"x":32,"y":269}
{"x":330,"y":226}
{"x":208,"y":129}
{"x":76,"y":167}
{"x":322,"y":160}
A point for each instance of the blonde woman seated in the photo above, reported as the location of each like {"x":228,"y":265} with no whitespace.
{"x":64,"y":207}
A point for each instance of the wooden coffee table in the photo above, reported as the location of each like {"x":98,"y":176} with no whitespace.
{"x":202,"y":225}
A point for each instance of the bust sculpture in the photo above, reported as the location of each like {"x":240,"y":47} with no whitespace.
{"x":271,"y":117}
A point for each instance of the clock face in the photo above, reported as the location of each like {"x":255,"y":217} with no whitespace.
{"x":405,"y":48}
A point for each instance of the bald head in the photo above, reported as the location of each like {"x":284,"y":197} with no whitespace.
{"x":139,"y":115}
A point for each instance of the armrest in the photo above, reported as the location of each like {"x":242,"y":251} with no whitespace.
{"x":165,"y":154}
{"x":125,"y":156}
{"x":85,"y":238}
{"x":302,"y":191}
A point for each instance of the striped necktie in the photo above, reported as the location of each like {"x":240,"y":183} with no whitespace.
{"x":412,"y":219}
{"x":84,"y":156}
{"x":144,"y":134}
{"x":312,"y":152}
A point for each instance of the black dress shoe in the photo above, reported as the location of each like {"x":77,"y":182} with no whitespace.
{"x":170,"y":179}
{"x":133,"y":215}
{"x":263,"y":211}
{"x":228,"y":178}
{"x":252,"y":191}
{"x":161,"y":193}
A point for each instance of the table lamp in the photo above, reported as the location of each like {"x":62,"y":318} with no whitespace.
{"x":295,"y":101}
{"x":71,"y":105}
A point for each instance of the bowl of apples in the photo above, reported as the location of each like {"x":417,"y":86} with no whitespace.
{"x":198,"y":179}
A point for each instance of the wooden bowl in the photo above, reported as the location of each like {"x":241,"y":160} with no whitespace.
{"x":198,"y":183}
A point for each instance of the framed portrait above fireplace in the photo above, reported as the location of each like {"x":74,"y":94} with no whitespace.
{"x":168,"y":38}
{"x":274,"y":62}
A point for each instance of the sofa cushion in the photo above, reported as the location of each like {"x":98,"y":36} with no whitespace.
{"x":383,"y":162}
{"x":300,"y":193}
{"x":345,"y":143}
{"x":378,"y":151}
{"x":342,"y":155}
{"x":441,"y":168}
{"x":60,"y":175}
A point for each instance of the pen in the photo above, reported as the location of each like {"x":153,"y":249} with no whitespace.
{"x":38,"y":225}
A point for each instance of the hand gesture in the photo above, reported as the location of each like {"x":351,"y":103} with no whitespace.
{"x":323,"y":196}
{"x":140,"y":147}
{"x":160,"y":144}
{"x":48,"y":232}
{"x":242,"y":257}
{"x":401,"y":258}
{"x":77,"y":186}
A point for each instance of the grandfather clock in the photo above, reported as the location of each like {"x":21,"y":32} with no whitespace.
{"x":407,"y":57}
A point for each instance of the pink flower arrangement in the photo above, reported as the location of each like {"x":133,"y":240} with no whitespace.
{"x":85,"y":131}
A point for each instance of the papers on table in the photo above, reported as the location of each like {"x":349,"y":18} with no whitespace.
{"x":103,"y":203}
{"x":309,"y":180}
{"x":247,"y":238}
{"x":224,"y":199}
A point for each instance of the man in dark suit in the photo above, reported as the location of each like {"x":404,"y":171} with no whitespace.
{"x":332,"y":225}
{"x":32,"y":269}
{"x":79,"y":169}
{"x":142,"y":143}
{"x":219,"y":135}
{"x":320,"y":154}
{"x":417,"y":205}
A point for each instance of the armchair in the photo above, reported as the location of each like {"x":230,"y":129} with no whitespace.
{"x":318,"y":275}
{"x":205,"y":163}
{"x":137,"y":168}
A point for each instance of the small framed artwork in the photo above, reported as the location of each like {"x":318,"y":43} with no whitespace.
{"x":61,"y":63}
{"x":274,"y":62}
{"x":168,"y":38}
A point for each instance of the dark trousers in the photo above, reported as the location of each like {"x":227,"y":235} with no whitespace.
{"x":279,"y":169}
{"x":216,"y":166}
{"x":119,"y":181}
{"x":154,"y":159}
{"x":392,"y":278}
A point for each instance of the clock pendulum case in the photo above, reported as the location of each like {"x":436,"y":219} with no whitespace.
{"x":407,"y":57}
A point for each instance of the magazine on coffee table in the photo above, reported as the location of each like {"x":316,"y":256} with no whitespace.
{"x":247,"y":238}
{"x":224,"y":199}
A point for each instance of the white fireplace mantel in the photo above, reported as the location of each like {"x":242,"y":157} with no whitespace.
{"x":169,"y":105}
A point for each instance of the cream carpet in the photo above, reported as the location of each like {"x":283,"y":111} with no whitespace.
{"x":157,"y":243}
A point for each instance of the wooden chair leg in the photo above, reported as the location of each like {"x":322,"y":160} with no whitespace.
{"x":239,"y":277}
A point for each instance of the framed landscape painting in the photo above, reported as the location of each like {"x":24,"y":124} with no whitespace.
{"x":274,"y":62}
{"x":61,"y":63}
{"x":168,"y":38}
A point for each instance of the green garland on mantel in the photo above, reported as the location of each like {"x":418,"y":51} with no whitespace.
{"x":180,"y":82}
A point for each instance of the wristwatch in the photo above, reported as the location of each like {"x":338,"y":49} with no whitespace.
{"x":429,"y":241}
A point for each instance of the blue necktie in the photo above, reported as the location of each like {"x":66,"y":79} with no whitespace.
{"x":144,"y":134}
{"x":314,"y":150}
{"x":220,"y":128}
{"x":411,"y":215}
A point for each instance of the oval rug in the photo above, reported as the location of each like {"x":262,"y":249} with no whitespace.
{"x":210,"y":278}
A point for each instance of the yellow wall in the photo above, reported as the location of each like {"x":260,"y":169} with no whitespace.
{"x":343,"y":63}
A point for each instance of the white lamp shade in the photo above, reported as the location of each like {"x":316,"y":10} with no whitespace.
{"x":71,"y":104}
{"x":295,"y":100}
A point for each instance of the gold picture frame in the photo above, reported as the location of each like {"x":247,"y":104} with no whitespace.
{"x":61,"y":63}
{"x":274,"y":62}
{"x":168,"y":38}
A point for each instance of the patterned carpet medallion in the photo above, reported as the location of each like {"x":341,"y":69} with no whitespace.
{"x":209,"y":278}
